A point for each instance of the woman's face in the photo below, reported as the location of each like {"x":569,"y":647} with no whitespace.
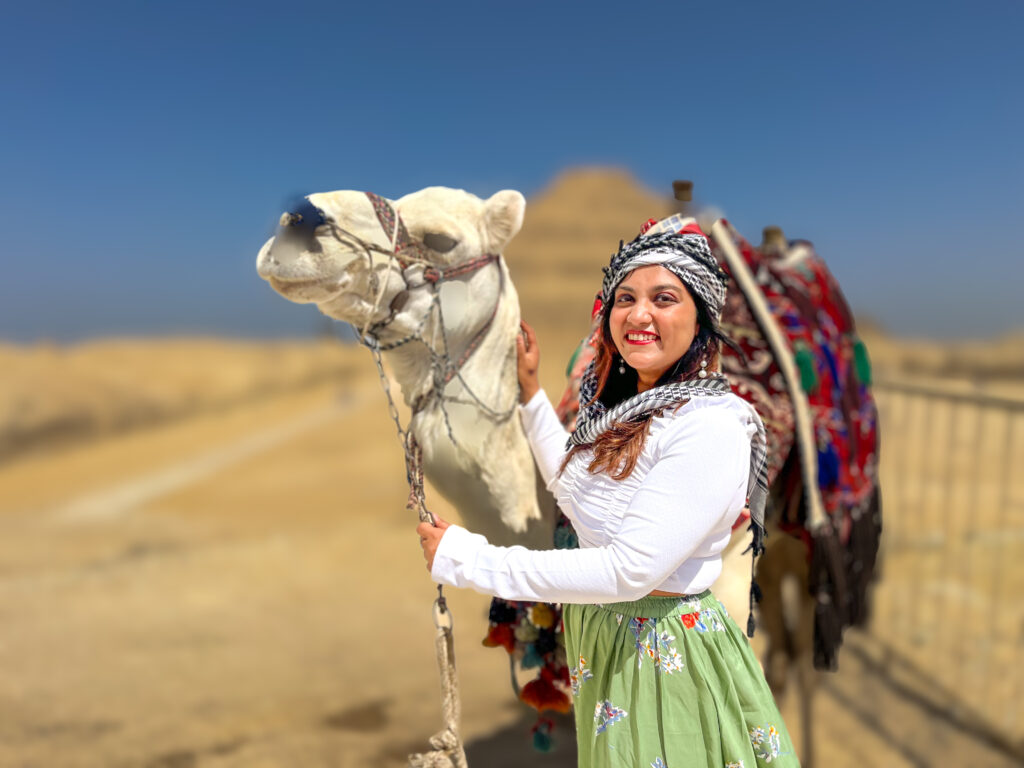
{"x":652,"y":321}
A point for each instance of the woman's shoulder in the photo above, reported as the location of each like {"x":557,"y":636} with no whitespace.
{"x":730,"y":402}
{"x":719,"y":415}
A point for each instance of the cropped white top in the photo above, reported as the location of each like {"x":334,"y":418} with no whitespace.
{"x":663,"y":527}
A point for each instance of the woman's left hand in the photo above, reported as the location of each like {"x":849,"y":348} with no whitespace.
{"x":430,"y":538}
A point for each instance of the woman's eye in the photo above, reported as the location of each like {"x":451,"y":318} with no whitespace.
{"x":666,"y":297}
{"x":623,"y":298}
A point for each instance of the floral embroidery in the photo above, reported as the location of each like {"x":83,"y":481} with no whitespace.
{"x":711,"y":619}
{"x":693,"y":604}
{"x":706,"y":620}
{"x":666,"y":658}
{"x":736,"y":764}
{"x":658,"y":763}
{"x":578,"y":675}
{"x":655,"y":646}
{"x":618,"y":619}
{"x":606,"y":714}
{"x":765,"y":741}
{"x":638,"y":626}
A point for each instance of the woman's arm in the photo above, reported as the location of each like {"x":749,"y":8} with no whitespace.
{"x":545,"y":432}
{"x":698,"y":480}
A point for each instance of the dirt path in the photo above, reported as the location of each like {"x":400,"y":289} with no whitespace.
{"x":246,"y":589}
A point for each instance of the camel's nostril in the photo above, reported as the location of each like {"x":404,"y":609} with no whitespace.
{"x":297,"y":226}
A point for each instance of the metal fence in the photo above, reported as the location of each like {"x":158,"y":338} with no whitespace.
{"x":947,"y":628}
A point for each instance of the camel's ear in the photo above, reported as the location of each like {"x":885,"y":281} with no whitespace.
{"x":504,"y":217}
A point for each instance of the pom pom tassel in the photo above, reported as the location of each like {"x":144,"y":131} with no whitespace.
{"x":500,"y":635}
{"x":862,"y":363}
{"x":542,"y":739}
{"x":805,"y":362}
{"x":543,"y":695}
{"x":531,"y":659}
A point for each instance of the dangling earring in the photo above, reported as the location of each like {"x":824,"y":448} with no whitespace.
{"x":703,"y":372}
{"x":622,"y":367}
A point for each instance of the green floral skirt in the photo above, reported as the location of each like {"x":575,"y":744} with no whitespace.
{"x":669,"y":682}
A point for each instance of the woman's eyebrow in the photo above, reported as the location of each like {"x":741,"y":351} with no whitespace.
{"x":655,"y":289}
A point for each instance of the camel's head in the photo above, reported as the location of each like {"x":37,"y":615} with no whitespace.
{"x":334,"y":249}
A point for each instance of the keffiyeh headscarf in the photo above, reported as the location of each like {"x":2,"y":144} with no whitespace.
{"x":684,"y":252}
{"x":678,"y":245}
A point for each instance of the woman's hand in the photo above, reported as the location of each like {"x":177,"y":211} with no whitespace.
{"x":430,"y":538}
{"x":529,"y":361}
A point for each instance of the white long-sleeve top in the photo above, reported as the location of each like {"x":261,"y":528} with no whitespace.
{"x":663,"y":527}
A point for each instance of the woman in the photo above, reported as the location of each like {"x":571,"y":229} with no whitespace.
{"x":662,"y":461}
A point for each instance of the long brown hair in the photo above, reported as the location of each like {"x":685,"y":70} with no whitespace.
{"x":618,"y":448}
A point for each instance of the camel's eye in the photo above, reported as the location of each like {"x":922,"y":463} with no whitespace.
{"x":438,"y":242}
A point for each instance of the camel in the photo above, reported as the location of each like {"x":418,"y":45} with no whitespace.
{"x":434,"y":295}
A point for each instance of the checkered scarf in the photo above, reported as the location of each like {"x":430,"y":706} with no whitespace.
{"x":596,"y":418}
{"x":685,"y":254}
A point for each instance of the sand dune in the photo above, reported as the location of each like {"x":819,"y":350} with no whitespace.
{"x":52,"y":395}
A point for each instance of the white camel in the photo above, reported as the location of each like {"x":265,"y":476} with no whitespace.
{"x":422,"y":278}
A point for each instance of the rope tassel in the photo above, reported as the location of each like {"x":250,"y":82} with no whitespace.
{"x":448,"y":751}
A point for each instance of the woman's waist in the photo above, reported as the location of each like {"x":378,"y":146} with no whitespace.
{"x":660,"y":606}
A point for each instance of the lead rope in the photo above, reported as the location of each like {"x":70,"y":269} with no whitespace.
{"x":448,"y":751}
{"x":383,"y":282}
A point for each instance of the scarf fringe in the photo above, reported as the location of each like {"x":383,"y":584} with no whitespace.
{"x":756,"y":547}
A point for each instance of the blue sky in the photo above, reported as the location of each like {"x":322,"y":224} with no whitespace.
{"x":147,"y":147}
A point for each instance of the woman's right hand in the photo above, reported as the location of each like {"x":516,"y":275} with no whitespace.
{"x":529,"y":361}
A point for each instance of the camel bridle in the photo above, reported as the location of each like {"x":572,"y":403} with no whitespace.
{"x":446,"y":365}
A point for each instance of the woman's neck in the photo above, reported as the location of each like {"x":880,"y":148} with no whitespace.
{"x":642,"y":385}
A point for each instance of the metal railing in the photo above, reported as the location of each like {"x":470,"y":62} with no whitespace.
{"x":947,"y":622}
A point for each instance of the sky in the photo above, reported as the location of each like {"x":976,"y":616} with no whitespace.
{"x":148,"y":148}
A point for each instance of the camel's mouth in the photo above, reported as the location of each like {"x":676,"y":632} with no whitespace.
{"x":313,"y":290}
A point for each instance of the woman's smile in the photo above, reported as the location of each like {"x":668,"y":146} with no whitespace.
{"x":641,"y":337}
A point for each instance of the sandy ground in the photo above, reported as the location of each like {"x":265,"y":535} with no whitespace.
{"x":245,"y":588}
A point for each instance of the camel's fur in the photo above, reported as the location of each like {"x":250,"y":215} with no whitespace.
{"x":489,"y":474}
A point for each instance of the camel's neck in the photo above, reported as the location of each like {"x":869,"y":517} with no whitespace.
{"x":412,"y":366}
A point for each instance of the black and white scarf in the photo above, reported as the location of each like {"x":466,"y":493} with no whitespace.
{"x":686,"y":255}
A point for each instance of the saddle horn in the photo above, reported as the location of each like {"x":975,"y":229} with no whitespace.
{"x":682,"y":190}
